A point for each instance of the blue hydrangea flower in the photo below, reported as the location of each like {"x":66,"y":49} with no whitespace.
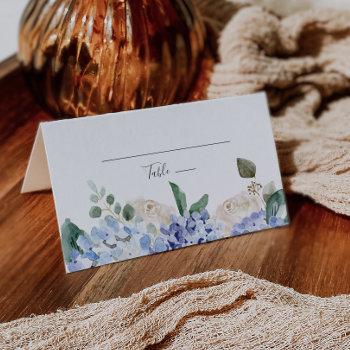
{"x":205,"y":215}
{"x":194,"y":228}
{"x":112,"y":240}
{"x":145,"y":242}
{"x":160,"y":245}
{"x":78,"y":262}
{"x":112,"y":223}
{"x":98,"y":234}
{"x":91,"y":255}
{"x":275,"y":222}
{"x":84,"y":242}
{"x":256,"y":221}
{"x":239,"y":229}
{"x":212,"y":237}
{"x":130,"y":230}
{"x":195,"y":216}
{"x":117,"y":252}
{"x":255,"y":215}
{"x":164,"y":230}
{"x":106,"y":257}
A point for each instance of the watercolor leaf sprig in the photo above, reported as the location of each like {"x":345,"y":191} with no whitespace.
{"x":107,"y":203}
{"x":181,"y":201}
{"x":272,"y":200}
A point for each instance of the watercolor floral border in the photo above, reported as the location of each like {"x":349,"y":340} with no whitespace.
{"x":145,"y":227}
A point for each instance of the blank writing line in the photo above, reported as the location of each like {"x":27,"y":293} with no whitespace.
{"x":167,"y":151}
{"x":182,"y":171}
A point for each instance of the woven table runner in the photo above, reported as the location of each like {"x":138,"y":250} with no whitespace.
{"x":213,"y":310}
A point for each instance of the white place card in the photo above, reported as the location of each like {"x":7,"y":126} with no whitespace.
{"x":141,"y":182}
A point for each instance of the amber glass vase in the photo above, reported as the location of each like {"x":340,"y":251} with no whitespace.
{"x":85,"y":57}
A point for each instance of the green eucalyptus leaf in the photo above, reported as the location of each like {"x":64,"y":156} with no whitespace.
{"x":180,"y":198}
{"x":276,"y":206}
{"x":200,"y":205}
{"x":94,"y":198}
{"x":95,"y":212}
{"x":110,"y":199}
{"x":92,"y":186}
{"x":102,"y":192}
{"x":117,"y":208}
{"x":128,"y":212}
{"x":69,"y":236}
{"x":246,"y":168}
{"x":268,"y":190}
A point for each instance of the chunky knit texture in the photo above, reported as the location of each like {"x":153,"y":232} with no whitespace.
{"x":301,"y":61}
{"x":213,"y":310}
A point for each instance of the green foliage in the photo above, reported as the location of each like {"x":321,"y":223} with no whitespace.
{"x":180,"y":198}
{"x":200,"y":205}
{"x":94,"y":198}
{"x":128,"y":212}
{"x":151,"y":228}
{"x":268,"y":190}
{"x":117,"y":208}
{"x":246,"y":168}
{"x":95,"y":212}
{"x":276,"y":206}
{"x":102,"y":192}
{"x":181,"y":202}
{"x":110,"y":199}
{"x":92,"y":186}
{"x":70,"y":234}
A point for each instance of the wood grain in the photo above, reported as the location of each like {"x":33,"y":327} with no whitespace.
{"x":311,"y":255}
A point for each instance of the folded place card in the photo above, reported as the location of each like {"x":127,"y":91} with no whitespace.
{"x":135,"y":183}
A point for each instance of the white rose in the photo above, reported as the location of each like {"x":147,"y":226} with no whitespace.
{"x":235,"y":209}
{"x":152,"y":212}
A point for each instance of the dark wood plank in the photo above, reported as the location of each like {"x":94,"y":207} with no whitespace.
{"x":311,"y":255}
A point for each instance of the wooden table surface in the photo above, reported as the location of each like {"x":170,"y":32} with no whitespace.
{"x":312,"y":255}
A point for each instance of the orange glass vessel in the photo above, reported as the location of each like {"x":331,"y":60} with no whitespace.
{"x":87,"y":57}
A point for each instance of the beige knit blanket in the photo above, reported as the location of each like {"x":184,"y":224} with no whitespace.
{"x":303,"y":63}
{"x":213,"y":310}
